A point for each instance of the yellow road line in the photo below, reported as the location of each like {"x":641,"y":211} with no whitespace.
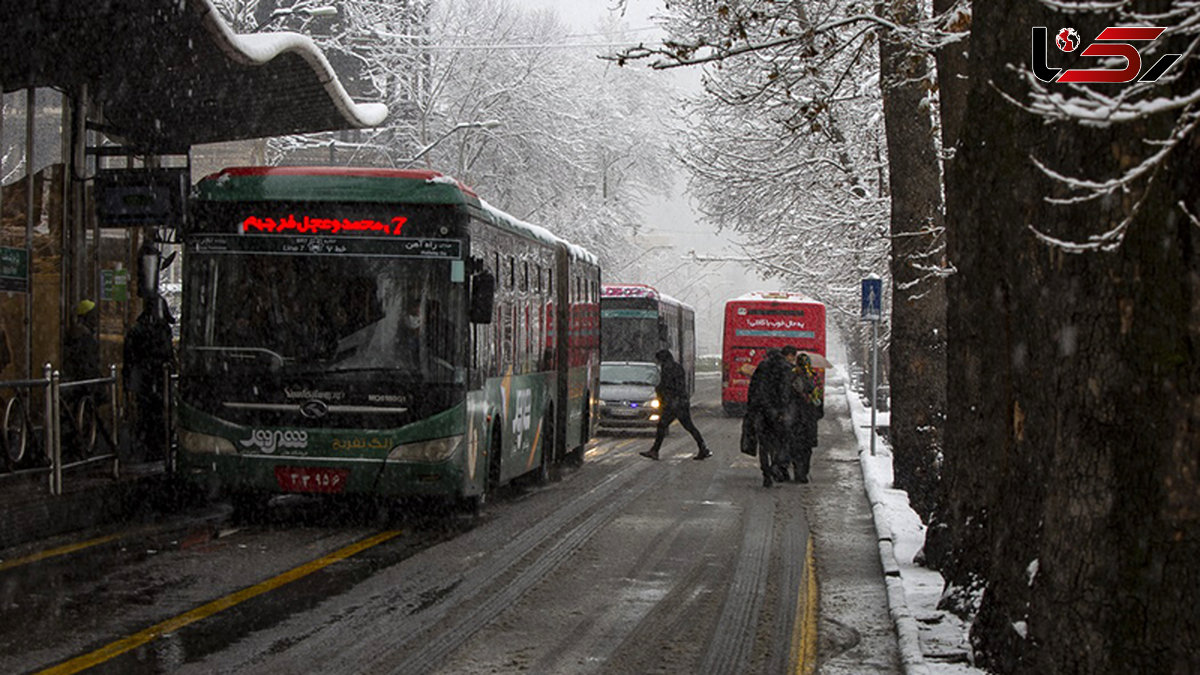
{"x":136,"y":640}
{"x":61,"y":550}
{"x":804,"y":630}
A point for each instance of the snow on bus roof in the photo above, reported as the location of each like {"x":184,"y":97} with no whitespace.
{"x":538,"y":232}
{"x":639,"y":291}
{"x":774,"y":296}
{"x":628,"y":290}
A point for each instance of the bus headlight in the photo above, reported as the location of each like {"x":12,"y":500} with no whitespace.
{"x":190,"y":441}
{"x":654,"y":403}
{"x":437,"y":450}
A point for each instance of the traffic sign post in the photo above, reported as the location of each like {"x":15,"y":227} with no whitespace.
{"x":872,"y":294}
{"x":872,"y":310}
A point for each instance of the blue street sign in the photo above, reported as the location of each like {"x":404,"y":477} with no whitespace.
{"x":872,"y":292}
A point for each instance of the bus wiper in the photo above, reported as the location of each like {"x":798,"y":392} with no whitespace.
{"x":366,"y":369}
{"x":246,"y":353}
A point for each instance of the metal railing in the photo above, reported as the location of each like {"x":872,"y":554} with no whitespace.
{"x":82,"y":423}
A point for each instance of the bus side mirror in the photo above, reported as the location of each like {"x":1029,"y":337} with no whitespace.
{"x":663,"y":333}
{"x":483,"y":297}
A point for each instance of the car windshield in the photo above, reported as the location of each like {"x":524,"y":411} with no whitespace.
{"x":628,"y":373}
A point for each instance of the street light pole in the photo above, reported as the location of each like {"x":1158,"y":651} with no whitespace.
{"x":490,"y":124}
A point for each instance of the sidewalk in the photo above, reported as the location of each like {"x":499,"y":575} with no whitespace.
{"x":856,"y":633}
{"x":931,"y":641}
{"x":91,"y":497}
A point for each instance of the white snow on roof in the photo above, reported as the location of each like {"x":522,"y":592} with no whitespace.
{"x":776,"y":296}
{"x":540,"y":233}
{"x":260,"y":48}
{"x":640,"y":291}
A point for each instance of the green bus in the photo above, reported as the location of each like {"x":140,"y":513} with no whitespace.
{"x":377,"y":332}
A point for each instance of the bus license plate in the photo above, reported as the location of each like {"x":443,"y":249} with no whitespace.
{"x":311,"y":479}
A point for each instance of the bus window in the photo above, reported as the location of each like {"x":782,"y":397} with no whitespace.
{"x":512,"y":272}
{"x":524,"y":275}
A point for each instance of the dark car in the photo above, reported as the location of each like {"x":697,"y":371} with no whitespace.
{"x":627,"y":398}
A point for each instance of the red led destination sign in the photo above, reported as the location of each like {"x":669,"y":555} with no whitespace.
{"x":310,"y":225}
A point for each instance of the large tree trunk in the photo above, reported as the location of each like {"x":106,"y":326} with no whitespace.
{"x":917,"y":355}
{"x":951,"y":62}
{"x":1074,"y":410}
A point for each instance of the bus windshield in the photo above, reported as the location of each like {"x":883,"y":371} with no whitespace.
{"x":328,"y":313}
{"x":628,"y":334}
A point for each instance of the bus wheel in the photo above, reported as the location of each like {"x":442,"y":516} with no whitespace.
{"x":545,"y":471}
{"x":575,"y":457}
{"x":475,"y":504}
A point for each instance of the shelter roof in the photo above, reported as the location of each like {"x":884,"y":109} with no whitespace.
{"x":169,"y":74}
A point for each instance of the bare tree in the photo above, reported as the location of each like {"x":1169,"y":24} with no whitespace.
{"x":498,"y":98}
{"x":809,"y":57}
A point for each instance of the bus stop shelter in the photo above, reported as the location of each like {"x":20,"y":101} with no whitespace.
{"x":90,"y":85}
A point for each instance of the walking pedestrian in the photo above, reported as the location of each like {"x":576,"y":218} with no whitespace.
{"x":147,"y":350}
{"x":766,"y":406}
{"x":675,"y":405}
{"x":807,"y":406}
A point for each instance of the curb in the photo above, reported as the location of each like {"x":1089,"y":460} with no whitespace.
{"x":907,"y":633}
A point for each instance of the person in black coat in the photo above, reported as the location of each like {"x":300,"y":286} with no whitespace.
{"x":804,"y":409}
{"x":675,"y":404}
{"x":147,"y":349}
{"x":767,"y":409}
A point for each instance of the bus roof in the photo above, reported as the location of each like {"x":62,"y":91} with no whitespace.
{"x":638,"y":291}
{"x":411,"y":186}
{"x":775,"y":296}
{"x":514,"y":224}
{"x":311,"y":183}
{"x":628,"y":291}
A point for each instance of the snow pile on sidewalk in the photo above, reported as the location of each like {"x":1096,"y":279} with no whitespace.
{"x":932,"y":641}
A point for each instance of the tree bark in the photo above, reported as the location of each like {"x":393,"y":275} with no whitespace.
{"x":951,"y":60}
{"x":917,"y":354}
{"x":1074,"y":410}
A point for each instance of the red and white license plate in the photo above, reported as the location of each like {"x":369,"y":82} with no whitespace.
{"x":311,"y":479}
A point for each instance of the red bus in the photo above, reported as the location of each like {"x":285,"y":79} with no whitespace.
{"x":759,"y":321}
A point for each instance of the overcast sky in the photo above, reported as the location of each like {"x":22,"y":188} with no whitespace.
{"x":673,"y":220}
{"x":586,"y":14}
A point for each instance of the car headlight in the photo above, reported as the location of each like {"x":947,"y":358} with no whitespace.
{"x":191,"y":441}
{"x":437,"y":450}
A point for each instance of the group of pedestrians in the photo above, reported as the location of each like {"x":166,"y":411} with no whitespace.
{"x":783,"y":405}
{"x":785,"y":400}
{"x":147,"y":349}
